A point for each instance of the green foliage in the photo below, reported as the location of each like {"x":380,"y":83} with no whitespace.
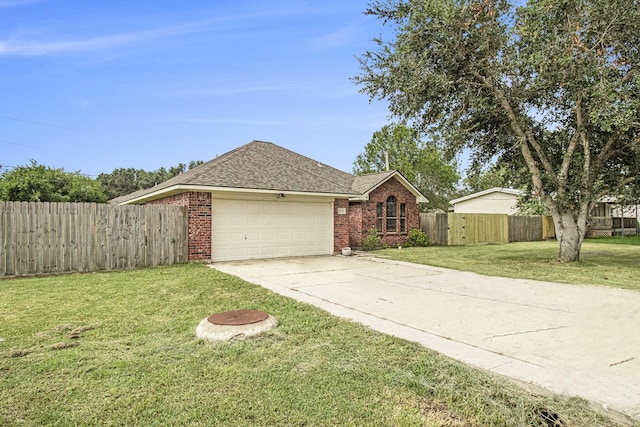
{"x":123,"y":181}
{"x":40,"y":183}
{"x":401,"y":143}
{"x":372,"y":241}
{"x":119,"y":349}
{"x":423,"y":164}
{"x":530,"y":205}
{"x":481,"y":179}
{"x":551,"y":86}
{"x":417,"y":238}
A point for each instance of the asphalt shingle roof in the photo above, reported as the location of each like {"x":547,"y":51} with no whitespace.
{"x":364,"y":183}
{"x":261,"y":165}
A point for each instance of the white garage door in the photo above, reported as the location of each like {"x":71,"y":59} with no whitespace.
{"x":246,"y":229}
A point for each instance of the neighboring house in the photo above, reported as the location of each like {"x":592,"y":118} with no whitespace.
{"x":492,"y":201}
{"x":609,"y":206}
{"x":608,"y":218}
{"x":264,"y":201}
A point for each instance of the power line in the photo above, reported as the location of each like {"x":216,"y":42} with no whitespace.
{"x":41,"y":124}
{"x":19,"y":145}
{"x":87,"y":175}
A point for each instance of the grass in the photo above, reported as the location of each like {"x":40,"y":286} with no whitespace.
{"x":119,"y":349}
{"x":612,"y":262}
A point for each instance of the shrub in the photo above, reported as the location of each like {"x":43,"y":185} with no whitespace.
{"x":417,"y":238}
{"x":372,"y":241}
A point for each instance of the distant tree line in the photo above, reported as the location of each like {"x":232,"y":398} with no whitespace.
{"x":426,"y":166}
{"x":40,"y":183}
{"x":127,"y":180}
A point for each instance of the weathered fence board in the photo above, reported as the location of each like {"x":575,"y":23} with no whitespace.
{"x":44,"y":238}
{"x":435,"y":226}
{"x":525,"y":228}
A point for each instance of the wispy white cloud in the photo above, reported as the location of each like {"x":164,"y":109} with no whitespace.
{"x":319,"y":88}
{"x":340,"y":37}
{"x":307,"y":120}
{"x":231,"y":121}
{"x":88,"y":44}
{"x":4,"y":4}
{"x":18,"y":46}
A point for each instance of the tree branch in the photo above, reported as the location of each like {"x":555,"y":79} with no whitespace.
{"x":606,"y":151}
{"x":563,"y":174}
{"x":524,"y":136}
{"x":541,"y":155}
{"x":586,"y":147}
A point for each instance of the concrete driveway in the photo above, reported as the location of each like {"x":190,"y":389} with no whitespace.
{"x":573,"y":340}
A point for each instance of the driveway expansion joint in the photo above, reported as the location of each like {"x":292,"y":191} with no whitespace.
{"x":533,"y":331}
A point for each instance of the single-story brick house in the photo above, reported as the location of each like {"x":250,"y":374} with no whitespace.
{"x":263,"y":201}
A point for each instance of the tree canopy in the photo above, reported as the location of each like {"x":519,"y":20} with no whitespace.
{"x":40,"y":183}
{"x":423,"y":164}
{"x":552,"y":86}
{"x":483,"y":179}
{"x":123,"y":181}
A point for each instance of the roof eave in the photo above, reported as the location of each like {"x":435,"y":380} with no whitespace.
{"x":511,"y":191}
{"x":181,"y":188}
{"x":419,"y":196}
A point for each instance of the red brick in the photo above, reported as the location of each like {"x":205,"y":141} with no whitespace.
{"x":340,"y":225}
{"x":363,"y":219}
{"x":349,"y":229}
{"x":199,"y":217}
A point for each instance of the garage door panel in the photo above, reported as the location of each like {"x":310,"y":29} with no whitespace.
{"x":245,"y":229}
{"x":254,"y":220}
{"x":269,"y":236}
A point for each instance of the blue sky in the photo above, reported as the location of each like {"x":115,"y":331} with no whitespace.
{"x":95,"y":85}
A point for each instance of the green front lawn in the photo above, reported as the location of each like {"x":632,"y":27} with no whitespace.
{"x":613,"y":262}
{"x":120,"y":349}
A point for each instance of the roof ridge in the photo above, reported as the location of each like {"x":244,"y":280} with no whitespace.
{"x":260,"y":165}
{"x":200,"y":169}
{"x":362,"y":179}
{"x":313,"y":172}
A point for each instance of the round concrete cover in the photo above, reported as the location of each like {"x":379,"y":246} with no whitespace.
{"x":238,"y":317}
{"x":234,"y":325}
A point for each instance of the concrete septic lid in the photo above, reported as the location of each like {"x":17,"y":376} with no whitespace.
{"x":236,"y":324}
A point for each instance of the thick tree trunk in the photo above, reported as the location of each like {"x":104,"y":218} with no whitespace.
{"x":570,"y":233}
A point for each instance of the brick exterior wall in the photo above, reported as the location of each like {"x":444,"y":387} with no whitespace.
{"x":199,"y":217}
{"x":365,"y":220}
{"x":340,"y":225}
{"x":355,"y":224}
{"x":348,"y":229}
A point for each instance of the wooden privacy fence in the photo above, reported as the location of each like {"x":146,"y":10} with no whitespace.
{"x":436,"y":227}
{"x":45,"y":238}
{"x":468,"y":229}
{"x":472,"y":229}
{"x":525,"y":228}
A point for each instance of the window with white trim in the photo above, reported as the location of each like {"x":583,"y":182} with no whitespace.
{"x":392,"y":215}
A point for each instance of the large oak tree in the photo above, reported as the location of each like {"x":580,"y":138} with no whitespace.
{"x":553,"y":85}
